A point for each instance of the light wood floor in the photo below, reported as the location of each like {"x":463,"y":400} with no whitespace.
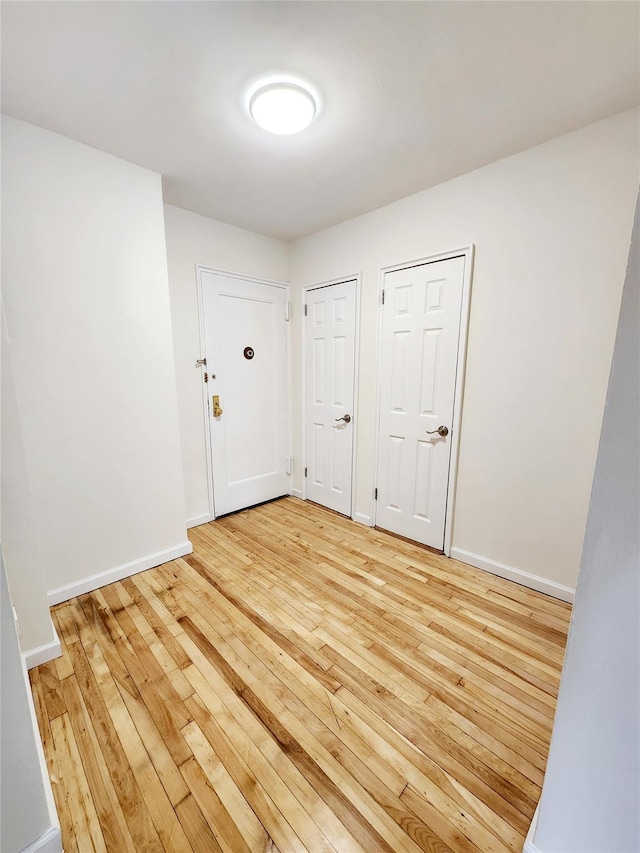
{"x":301,"y":683}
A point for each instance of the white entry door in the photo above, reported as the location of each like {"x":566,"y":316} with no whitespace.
{"x":420,"y":333}
{"x":246,"y":351}
{"x":330,"y":373}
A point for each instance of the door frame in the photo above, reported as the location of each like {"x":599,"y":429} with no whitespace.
{"x":463,"y":335}
{"x":305,"y":288}
{"x":206,"y":413}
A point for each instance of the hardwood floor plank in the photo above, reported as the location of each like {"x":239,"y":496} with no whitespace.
{"x":305,"y":763}
{"x":198,"y":831}
{"x":300,"y":652}
{"x":252,"y":832}
{"x":444,"y":794}
{"x":227,"y":834}
{"x":46,"y":736}
{"x":406,"y":720}
{"x":329,"y":744}
{"x":63,"y":664}
{"x":150,"y":607}
{"x":53,"y":698}
{"x":146,"y":801}
{"x":248,"y":768}
{"x":301,"y":684}
{"x":157,"y":748}
{"x":160,"y":652}
{"x":112,"y":821}
{"x":86,"y":826}
{"x":285,"y":799}
{"x":128,"y":794}
{"x":160,"y":697}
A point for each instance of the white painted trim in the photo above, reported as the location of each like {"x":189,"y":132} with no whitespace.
{"x":376,"y":415}
{"x":199,"y":519}
{"x":44,"y":653}
{"x":242,"y":276}
{"x":205,"y":396}
{"x":564,"y":593}
{"x":463,"y":334}
{"x":529,"y":846}
{"x":316,"y":285}
{"x":64,"y":593}
{"x":284,"y":285}
{"x":461,"y":363}
{"x":305,"y":288}
{"x":297,"y":493}
{"x":361,"y":518}
{"x":289,"y":364}
{"x":49,"y":842}
{"x":356,"y":396}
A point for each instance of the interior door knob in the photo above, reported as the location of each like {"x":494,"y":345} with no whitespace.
{"x":345,"y":418}
{"x":442,"y":430}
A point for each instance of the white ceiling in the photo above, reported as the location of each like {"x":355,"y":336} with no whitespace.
{"x":414,"y":93}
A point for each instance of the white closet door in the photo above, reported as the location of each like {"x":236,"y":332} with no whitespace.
{"x":330,"y":372}
{"x":420,"y":331}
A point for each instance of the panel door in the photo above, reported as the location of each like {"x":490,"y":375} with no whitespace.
{"x":330,"y":372}
{"x":420,"y":332}
{"x":246,"y":351}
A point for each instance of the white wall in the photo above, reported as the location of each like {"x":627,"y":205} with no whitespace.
{"x":591,"y":795}
{"x":193,"y":239}
{"x":551,"y":228}
{"x":86,"y":299}
{"x":26,"y":806}
{"x":20,"y":536}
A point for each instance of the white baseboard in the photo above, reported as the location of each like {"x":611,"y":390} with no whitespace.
{"x":64,"y":593}
{"x":45,"y":653}
{"x":564,"y":593}
{"x":205,"y":518}
{"x":49,"y":842}
{"x":361,"y":518}
{"x":529,"y":846}
{"x":297,"y":493}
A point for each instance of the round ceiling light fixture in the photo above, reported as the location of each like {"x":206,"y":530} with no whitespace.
{"x":283,"y":106}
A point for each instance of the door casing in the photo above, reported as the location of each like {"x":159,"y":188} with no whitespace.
{"x":315,"y":286}
{"x":468,"y":253}
{"x":206,"y":413}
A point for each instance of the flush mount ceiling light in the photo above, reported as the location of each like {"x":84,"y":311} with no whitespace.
{"x":283,"y":106}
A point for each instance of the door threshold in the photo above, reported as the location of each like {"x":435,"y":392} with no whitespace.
{"x":439,"y":551}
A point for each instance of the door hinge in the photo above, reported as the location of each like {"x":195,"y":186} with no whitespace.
{"x":305,"y":310}
{"x":206,"y":376}
{"x":289,"y":460}
{"x":305,"y":471}
{"x":382,"y":297}
{"x":287,"y":310}
{"x":375,"y":494}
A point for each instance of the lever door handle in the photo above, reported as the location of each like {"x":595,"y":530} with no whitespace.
{"x":345,"y":418}
{"x":442,"y":430}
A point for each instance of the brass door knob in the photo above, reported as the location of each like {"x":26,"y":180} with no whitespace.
{"x":217,"y":411}
{"x":442,"y":430}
